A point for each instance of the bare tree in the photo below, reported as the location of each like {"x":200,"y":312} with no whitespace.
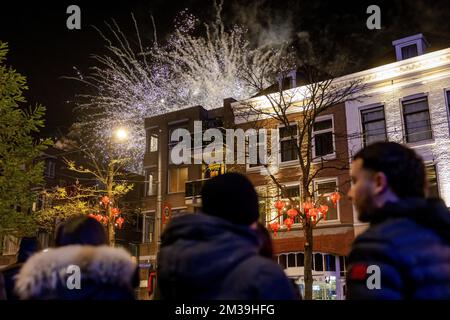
{"x":300,"y":99}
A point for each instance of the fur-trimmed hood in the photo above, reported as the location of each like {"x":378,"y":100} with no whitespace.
{"x":44,"y":275}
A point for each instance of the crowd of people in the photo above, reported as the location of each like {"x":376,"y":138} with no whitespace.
{"x":224,"y":253}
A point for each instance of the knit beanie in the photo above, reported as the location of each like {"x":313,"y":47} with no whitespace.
{"x":232,"y":197}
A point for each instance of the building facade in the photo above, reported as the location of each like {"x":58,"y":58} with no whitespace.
{"x":406,"y":101}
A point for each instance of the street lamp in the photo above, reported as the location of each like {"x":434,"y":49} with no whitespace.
{"x":121,"y":134}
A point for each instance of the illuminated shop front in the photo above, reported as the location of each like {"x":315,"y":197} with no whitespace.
{"x":328,"y":273}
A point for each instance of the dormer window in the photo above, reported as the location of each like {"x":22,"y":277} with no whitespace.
{"x":409,"y":51}
{"x":410,"y":47}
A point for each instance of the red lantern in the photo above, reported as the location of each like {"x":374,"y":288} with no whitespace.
{"x":104,"y":220}
{"x":292,"y":213}
{"x":119,"y":222}
{"x":313,"y":212}
{"x":335,"y":197}
{"x":308,"y":205}
{"x":279,"y":205}
{"x":275,"y":226}
{"x":288,"y":222}
{"x":323,"y":209}
{"x":115,"y":211}
{"x":105,"y":200}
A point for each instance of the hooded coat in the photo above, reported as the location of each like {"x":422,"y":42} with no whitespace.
{"x":409,"y":241}
{"x":106,"y":274}
{"x":204,"y":257}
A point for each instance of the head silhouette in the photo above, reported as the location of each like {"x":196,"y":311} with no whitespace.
{"x":81,"y":230}
{"x":232,"y":197}
{"x":28,"y":247}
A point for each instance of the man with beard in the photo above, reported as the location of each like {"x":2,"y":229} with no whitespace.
{"x":405,"y":253}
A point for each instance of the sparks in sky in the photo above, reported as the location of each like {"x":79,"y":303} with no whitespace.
{"x":200,"y":64}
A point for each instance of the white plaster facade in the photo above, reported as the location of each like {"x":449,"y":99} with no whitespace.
{"x":425,"y":75}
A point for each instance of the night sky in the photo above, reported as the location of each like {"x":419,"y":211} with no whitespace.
{"x":44,"y":50}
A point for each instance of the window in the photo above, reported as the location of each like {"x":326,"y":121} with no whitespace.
{"x":330,"y":262}
{"x":409,"y":51}
{"x":150,"y":183}
{"x":291,"y":260}
{"x":262,"y":203}
{"x":373,"y":125}
{"x":148,"y":226}
{"x":447,"y":93}
{"x":300,"y":259}
{"x":323,"y":189}
{"x":433,"y":188}
{"x":448,"y":98}
{"x":152,"y":142}
{"x":49,"y":170}
{"x":213,"y":170}
{"x":256,"y":143}
{"x":172,"y":144}
{"x":318,"y":262}
{"x":288,"y":143}
{"x":177,"y":179}
{"x":323,"y":138}
{"x":417,"y":120}
{"x":293,"y":192}
{"x":343,"y":265}
{"x":282,"y":261}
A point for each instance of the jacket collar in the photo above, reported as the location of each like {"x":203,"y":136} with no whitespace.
{"x":46,"y":271}
{"x":430,"y":213}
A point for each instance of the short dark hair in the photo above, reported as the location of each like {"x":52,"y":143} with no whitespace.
{"x":404,"y":169}
{"x":82,"y":230}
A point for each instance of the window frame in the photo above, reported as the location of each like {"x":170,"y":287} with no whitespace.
{"x":259,"y":143}
{"x":368,"y":109}
{"x":147,"y":215}
{"x":329,"y":156}
{"x":447,"y":105}
{"x":291,"y":184}
{"x":406,"y":45}
{"x":409,"y":100}
{"x":315,"y":190}
{"x":433,"y":164}
{"x":169,"y":177}
{"x":151,"y":171}
{"x":288,"y":162}
{"x":50,"y":168}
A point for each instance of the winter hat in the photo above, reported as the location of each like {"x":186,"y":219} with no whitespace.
{"x":232,"y":197}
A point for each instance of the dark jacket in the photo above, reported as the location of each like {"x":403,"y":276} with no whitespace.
{"x":106,"y":274}
{"x":9,"y":275}
{"x":410,"y":242}
{"x":207,"y":258}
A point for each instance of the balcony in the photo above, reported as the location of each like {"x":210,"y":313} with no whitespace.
{"x":193,"y":192}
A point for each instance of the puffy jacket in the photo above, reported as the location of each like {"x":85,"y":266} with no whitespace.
{"x":204,"y":257}
{"x":106,"y":274}
{"x":410,"y":242}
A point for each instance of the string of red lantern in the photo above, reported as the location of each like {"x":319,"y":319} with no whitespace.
{"x":309,"y":209}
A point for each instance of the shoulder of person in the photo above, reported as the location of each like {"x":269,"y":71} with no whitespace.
{"x":388,"y":230}
{"x":261,"y":265}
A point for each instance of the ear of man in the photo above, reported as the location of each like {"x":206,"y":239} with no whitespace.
{"x":381,"y":184}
